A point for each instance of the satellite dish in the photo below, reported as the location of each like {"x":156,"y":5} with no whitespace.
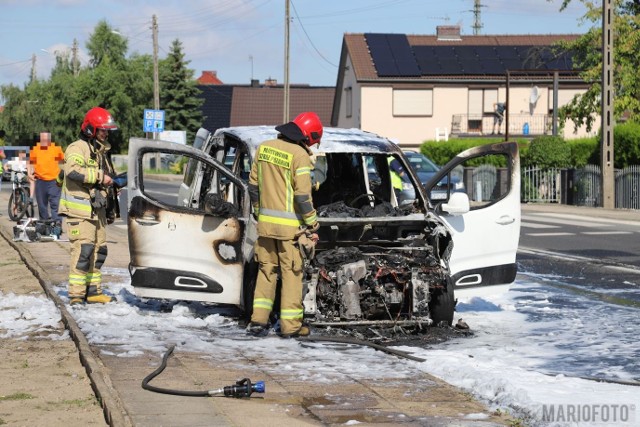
{"x":535,"y":95}
{"x":533,"y":99}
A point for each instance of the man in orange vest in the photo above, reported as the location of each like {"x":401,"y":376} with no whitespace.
{"x":44,"y":162}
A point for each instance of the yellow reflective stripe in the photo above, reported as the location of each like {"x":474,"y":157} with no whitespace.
{"x":281,"y":214}
{"x":278,"y":220}
{"x":94,"y":277}
{"x":75,"y":205}
{"x":76,"y":279}
{"x":291,"y":314}
{"x":287,"y":177}
{"x":303,"y":171}
{"x":274,"y":156}
{"x":310,"y":220}
{"x":265,"y":303}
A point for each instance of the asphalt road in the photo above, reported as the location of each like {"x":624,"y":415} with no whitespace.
{"x":593,"y":249}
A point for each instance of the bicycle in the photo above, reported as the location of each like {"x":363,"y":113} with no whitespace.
{"x":20,"y":202}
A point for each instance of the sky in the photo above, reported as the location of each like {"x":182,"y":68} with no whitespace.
{"x":244,"y":39}
{"x":531,"y":345}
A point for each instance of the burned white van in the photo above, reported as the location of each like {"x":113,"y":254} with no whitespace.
{"x":385,"y":255}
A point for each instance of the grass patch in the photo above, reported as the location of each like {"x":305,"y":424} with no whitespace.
{"x":89,"y":401}
{"x":17,"y":396}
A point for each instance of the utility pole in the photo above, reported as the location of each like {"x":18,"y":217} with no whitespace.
{"x":33,"y":68}
{"x":156,"y":78}
{"x":286,"y":62}
{"x":606,"y":145}
{"x":74,"y":59}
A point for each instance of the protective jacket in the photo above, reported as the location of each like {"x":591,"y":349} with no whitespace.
{"x":84,"y":169}
{"x":280,"y":189}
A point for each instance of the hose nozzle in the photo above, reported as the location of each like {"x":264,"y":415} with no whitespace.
{"x":242,"y":388}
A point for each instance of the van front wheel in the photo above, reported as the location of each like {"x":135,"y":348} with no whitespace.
{"x":442,"y":304}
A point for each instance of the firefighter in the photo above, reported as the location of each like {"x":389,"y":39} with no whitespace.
{"x":280,"y":189}
{"x":87,"y":174}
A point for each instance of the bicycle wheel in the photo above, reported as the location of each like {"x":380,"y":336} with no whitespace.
{"x":28,"y":204}
{"x":17,"y":204}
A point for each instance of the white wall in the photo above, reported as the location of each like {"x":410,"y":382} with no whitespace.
{"x":350,"y":81}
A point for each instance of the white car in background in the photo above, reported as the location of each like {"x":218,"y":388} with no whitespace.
{"x":378,"y":262}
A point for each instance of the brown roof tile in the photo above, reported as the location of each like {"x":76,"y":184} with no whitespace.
{"x":263,"y":105}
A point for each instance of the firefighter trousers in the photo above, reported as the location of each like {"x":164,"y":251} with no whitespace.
{"x":88,"y":241}
{"x":271,"y":254}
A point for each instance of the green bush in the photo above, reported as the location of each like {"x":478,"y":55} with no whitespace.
{"x":626,"y":144}
{"x":443,"y":151}
{"x":584,"y":151}
{"x":548,"y":152}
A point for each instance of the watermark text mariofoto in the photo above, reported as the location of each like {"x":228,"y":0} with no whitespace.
{"x":589,"y":413}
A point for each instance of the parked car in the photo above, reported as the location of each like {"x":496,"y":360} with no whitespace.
{"x":379,"y":261}
{"x":426,"y":169}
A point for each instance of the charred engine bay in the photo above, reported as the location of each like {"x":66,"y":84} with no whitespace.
{"x":376,"y":280}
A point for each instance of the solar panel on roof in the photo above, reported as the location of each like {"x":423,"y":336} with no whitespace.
{"x":426,"y":60}
{"x":403,"y":55}
{"x":392,"y":55}
{"x":445,"y":51}
{"x":451,"y":66}
{"x":466,"y":51}
{"x":472,"y":67}
{"x":486,"y":52}
{"x":381,"y":54}
{"x":492,"y":66}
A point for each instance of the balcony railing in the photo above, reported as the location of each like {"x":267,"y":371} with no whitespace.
{"x":519,"y":124}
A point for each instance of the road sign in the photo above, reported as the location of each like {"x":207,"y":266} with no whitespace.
{"x":153,"y":121}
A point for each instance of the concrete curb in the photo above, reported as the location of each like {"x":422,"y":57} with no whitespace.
{"x":113,"y":409}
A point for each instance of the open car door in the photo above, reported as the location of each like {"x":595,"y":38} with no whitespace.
{"x":483,"y":216}
{"x":186,"y":240}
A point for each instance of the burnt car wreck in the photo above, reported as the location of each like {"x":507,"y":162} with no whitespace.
{"x":386,"y":257}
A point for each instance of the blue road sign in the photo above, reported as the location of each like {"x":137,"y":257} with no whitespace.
{"x":153,"y":121}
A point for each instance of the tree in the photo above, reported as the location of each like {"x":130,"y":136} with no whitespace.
{"x":106,"y":46}
{"x":22,"y":117}
{"x":179,"y":94}
{"x":587,"y":57}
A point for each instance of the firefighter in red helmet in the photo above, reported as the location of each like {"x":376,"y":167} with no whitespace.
{"x":87,"y":175}
{"x":280,"y":190}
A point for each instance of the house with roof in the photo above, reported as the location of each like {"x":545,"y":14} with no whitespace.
{"x":259,"y":103}
{"x":412,"y":88}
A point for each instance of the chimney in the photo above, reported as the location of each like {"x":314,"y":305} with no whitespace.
{"x":270,"y":82}
{"x":448,"y":32}
{"x":255,"y":83}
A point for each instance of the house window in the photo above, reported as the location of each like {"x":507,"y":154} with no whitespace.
{"x":417,"y":102}
{"x":474,"y":118}
{"x":348,"y":94}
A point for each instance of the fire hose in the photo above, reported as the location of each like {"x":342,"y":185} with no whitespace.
{"x":242,"y":388}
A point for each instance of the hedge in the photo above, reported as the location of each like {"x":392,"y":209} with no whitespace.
{"x":548,"y":151}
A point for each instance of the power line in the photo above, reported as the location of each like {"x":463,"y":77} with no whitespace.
{"x":295,"y":11}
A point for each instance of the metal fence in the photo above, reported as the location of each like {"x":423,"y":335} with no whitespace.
{"x":519,"y":124}
{"x":541,"y":185}
{"x":580,"y":187}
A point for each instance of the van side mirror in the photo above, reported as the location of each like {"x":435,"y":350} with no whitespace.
{"x":458,"y":204}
